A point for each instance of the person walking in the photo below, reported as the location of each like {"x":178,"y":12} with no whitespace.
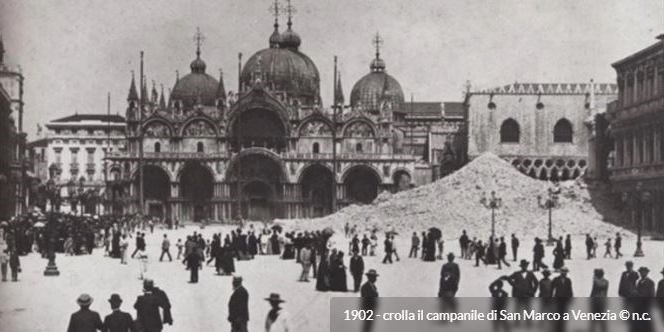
{"x":118,"y":321}
{"x":568,"y":247}
{"x":515,"y":247}
{"x":4,"y":263}
{"x":502,"y":253}
{"x":559,"y":256}
{"x":180,"y":246}
{"x":142,"y":264}
{"x":166,"y":249}
{"x":138,"y":244}
{"x":365,"y":245}
{"x":356,"y":270}
{"x":589,"y":246}
{"x":305,"y":260}
{"x":14,"y":264}
{"x":85,"y":320}
{"x":607,"y":246}
{"x":628,"y":279}
{"x":277,"y":319}
{"x":388,"y":250}
{"x":561,"y":287}
{"x":238,"y":306}
{"x":538,"y":255}
{"x":147,"y":305}
{"x":463,"y":244}
{"x":450,"y":276}
{"x":617,"y":244}
{"x":193,"y":264}
{"x":414,"y":245}
{"x":124,"y":246}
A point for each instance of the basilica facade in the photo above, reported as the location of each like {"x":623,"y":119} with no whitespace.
{"x":270,"y":150}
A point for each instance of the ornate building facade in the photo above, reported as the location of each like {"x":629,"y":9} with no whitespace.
{"x":542,"y":129}
{"x":13,"y":165}
{"x":636,"y":127}
{"x":271,"y":150}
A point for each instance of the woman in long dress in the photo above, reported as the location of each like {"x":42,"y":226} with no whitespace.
{"x":559,"y":256}
{"x":323,"y":279}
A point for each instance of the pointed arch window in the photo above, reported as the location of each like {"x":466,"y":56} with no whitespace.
{"x":200,"y":148}
{"x":562,"y":131}
{"x":510,"y":131}
{"x":316,"y":148}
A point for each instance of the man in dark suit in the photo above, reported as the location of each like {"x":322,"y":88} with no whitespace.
{"x":523,"y":282}
{"x":660,"y":287}
{"x":450,"y":275}
{"x":645,"y":287}
{"x":193,"y":264}
{"x":561,"y":287}
{"x":85,"y":320}
{"x":515,"y":246}
{"x":627,"y":286}
{"x":118,"y":321}
{"x":369,"y":294}
{"x":147,"y":308}
{"x":388,"y":250}
{"x":356,"y":270}
{"x":238,"y":306}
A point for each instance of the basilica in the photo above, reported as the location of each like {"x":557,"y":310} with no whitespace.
{"x":271,"y":150}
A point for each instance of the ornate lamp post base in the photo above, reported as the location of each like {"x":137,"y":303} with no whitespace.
{"x":51,"y":269}
{"x":639,"y":250}
{"x":550,"y":242}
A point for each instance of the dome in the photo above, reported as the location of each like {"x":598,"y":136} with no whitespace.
{"x":371,"y":88}
{"x":290,"y":39}
{"x":287,"y":69}
{"x":195,"y":85}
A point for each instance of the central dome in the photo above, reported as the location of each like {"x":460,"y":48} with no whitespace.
{"x":286,"y":70}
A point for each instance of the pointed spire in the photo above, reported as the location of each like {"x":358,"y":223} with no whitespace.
{"x":133,"y":93}
{"x":290,"y":10}
{"x":377,"y":64}
{"x":144,"y":92}
{"x":221,"y":89}
{"x":275,"y":38}
{"x":162,"y":99}
{"x":155,"y":94}
{"x":199,"y":38}
{"x":338,"y":91}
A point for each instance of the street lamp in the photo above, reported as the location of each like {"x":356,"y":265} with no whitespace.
{"x":549,"y":203}
{"x":492,"y":203}
{"x":51,"y":269}
{"x":639,"y":198}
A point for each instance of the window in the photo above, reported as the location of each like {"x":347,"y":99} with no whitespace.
{"x":316,"y":148}
{"x":157,"y":147}
{"x":200,"y":147}
{"x":358,"y":147}
{"x":509,"y":131}
{"x":562,"y":131}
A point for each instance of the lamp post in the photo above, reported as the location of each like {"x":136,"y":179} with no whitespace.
{"x":637,"y":199}
{"x":492,"y":203}
{"x":549,"y":203}
{"x":51,"y":269}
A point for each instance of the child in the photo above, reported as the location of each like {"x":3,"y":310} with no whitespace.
{"x":143,"y":264}
{"x":608,"y":246}
{"x":179,"y":245}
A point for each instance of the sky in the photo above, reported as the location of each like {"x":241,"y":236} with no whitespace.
{"x":74,"y":52}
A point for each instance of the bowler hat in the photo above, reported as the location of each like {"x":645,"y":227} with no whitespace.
{"x":237,"y":278}
{"x":644,"y":269}
{"x":148,"y":284}
{"x":274,"y":297}
{"x":84,"y":299}
{"x":115,"y":299}
{"x":372,"y":272}
{"x":524,"y":262}
{"x":546,"y":272}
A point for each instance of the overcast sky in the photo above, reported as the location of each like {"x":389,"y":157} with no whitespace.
{"x":73,"y":52}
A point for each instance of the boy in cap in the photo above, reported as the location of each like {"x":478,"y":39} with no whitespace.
{"x":85,"y":320}
{"x":118,"y":321}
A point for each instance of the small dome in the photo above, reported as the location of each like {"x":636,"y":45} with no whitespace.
{"x":275,"y":39}
{"x":371,"y":88}
{"x":377,"y":65}
{"x":290,"y":39}
{"x":196,"y":86}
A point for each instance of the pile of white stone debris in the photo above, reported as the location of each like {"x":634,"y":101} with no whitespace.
{"x":453,"y":204}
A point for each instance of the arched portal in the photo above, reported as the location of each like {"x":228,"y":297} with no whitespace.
{"x":156,"y":190}
{"x":316,"y":188}
{"x":361,"y":184}
{"x":258,"y":128}
{"x":196,"y":189}
{"x":260,"y":185}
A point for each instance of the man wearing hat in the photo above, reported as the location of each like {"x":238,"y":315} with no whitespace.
{"x":645,"y":287}
{"x":660,"y":286}
{"x":369,"y":289}
{"x":524,"y":283}
{"x":627,"y":286}
{"x":545,"y":284}
{"x":147,"y":308}
{"x":561,"y":287}
{"x":238,"y":306}
{"x":118,"y":321}
{"x":450,"y":275}
{"x":277,"y":318}
{"x":85,"y":320}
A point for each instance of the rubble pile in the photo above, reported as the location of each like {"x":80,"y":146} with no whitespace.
{"x":453,"y":204}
